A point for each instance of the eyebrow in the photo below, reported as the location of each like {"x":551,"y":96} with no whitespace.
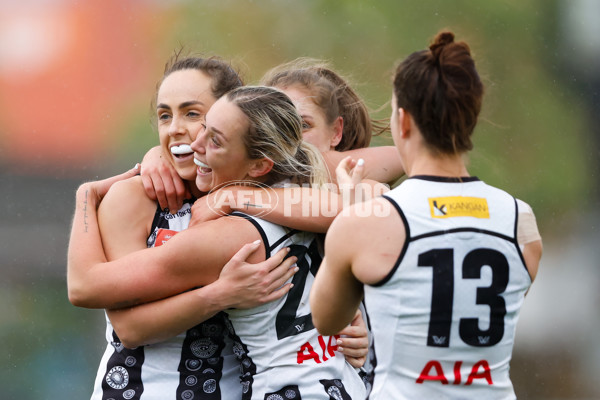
{"x":183,"y":105}
{"x":218,"y":132}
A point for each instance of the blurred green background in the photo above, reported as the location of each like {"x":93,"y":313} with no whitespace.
{"x":77,"y":77}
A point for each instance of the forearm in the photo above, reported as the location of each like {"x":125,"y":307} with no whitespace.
{"x":302,"y":208}
{"x":157,"y":321}
{"x":192,"y":258}
{"x":85,"y":248}
{"x":334,"y":297}
{"x":382,"y":164}
{"x":330,"y":315}
{"x":93,"y":282}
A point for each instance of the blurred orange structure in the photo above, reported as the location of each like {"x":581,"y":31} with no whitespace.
{"x":67,"y":71}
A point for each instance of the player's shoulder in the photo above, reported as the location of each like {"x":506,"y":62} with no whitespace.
{"x":523,"y":207}
{"x":130,"y":189}
{"x":128,"y":194}
{"x":127,"y":186}
{"x":369,"y":218}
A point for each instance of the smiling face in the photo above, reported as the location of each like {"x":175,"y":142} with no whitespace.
{"x":183,"y":99}
{"x":219,"y":150}
{"x":315,"y":128}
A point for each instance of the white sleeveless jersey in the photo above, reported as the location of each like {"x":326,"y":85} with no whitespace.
{"x":283,"y":356}
{"x":444,"y":318}
{"x":198,"y":364}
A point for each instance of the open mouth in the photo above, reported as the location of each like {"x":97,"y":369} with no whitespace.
{"x":202,"y":168}
{"x":181,"y":151}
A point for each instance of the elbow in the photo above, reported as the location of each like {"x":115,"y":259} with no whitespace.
{"x":130,"y":341}
{"x":86,"y":290}
{"x":128,"y":335}
{"x":322,"y":323}
{"x":326,"y":223}
{"x":318,"y":323}
{"x":323,"y":327}
{"x":79,"y":296}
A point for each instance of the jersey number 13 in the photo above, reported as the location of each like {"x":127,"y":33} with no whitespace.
{"x":442,"y":262}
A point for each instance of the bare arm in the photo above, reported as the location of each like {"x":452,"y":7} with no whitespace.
{"x":302,"y":208}
{"x":361,"y":247}
{"x":125,"y":218}
{"x":240,"y":285}
{"x":336,"y":293}
{"x":296,"y":207}
{"x":529,"y":238}
{"x":353,"y":186}
{"x":382,"y":164}
{"x":85,"y":228}
{"x":532,"y":253}
{"x":192,"y":258}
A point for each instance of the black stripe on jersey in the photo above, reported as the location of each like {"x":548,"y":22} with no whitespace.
{"x":201,"y":364}
{"x":445,"y":179}
{"x":263,"y":235}
{"x":123,"y":377}
{"x":519,"y":252}
{"x":512,"y":240}
{"x":159,"y":221}
{"x":404,"y":246}
{"x":315,"y":253}
{"x":247,"y":366}
{"x":516,"y":218}
{"x":286,"y":392}
{"x":335,"y":389}
{"x":283,"y":238}
{"x":456,"y":230}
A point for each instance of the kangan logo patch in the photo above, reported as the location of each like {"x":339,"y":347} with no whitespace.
{"x":458,"y":206}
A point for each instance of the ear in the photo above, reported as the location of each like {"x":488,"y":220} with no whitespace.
{"x":260,"y":167}
{"x":404,"y":122}
{"x":338,"y":128}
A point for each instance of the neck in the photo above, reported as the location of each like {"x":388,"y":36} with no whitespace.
{"x":437,"y":165}
{"x":194,"y":191}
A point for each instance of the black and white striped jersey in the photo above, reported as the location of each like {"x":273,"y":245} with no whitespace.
{"x":198,"y":364}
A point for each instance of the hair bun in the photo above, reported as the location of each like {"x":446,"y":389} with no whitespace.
{"x":440,"y":41}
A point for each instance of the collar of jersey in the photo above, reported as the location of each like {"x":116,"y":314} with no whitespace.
{"x":446,"y":179}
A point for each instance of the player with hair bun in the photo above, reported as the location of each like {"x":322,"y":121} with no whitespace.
{"x":444,"y":271}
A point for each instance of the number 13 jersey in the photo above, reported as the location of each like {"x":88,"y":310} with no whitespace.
{"x":444,"y":318}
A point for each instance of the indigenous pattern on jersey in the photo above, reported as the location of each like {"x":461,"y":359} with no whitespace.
{"x":198,"y":364}
{"x":444,"y":318}
{"x":282,"y":354}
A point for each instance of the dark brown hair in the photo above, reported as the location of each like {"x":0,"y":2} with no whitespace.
{"x":224,"y":78}
{"x":442,"y":91}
